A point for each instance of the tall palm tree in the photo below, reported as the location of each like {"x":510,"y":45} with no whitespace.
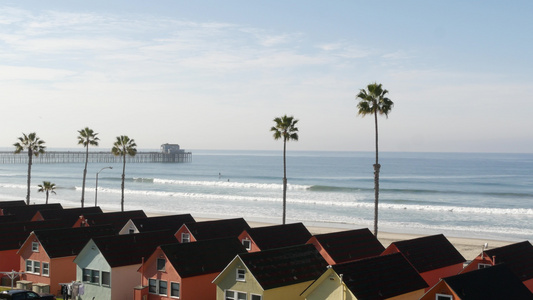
{"x":285,"y":129}
{"x":47,"y":187}
{"x":124,"y":146}
{"x":373,"y":101}
{"x":35,"y":146}
{"x":87,"y":137}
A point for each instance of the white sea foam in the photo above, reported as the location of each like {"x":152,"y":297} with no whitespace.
{"x":230,"y":184}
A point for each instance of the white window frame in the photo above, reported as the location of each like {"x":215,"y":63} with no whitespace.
{"x":185,"y":237}
{"x":443,"y":296}
{"x":95,"y":276}
{"x":256,"y":295}
{"x":240,"y":274}
{"x":171,"y":289}
{"x":102,"y":278}
{"x":235,"y":295}
{"x":247,"y":241}
{"x":157,"y":264}
{"x":46,"y":269}
{"x":30,"y":268}
{"x":34,"y":246}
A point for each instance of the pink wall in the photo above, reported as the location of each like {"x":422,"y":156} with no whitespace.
{"x":245,"y":235}
{"x":183,"y":229}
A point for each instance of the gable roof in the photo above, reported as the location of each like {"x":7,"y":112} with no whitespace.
{"x":277,"y":236}
{"x":173,"y":222}
{"x":217,"y":228}
{"x":497,"y":282}
{"x":350,"y":245}
{"x":14,"y":234}
{"x":518,"y":257}
{"x":26,"y":212}
{"x":429,"y":253}
{"x":63,"y":242}
{"x":70,"y":215}
{"x":202,"y":257}
{"x":115,"y":219}
{"x":130,"y":249}
{"x":380,"y":277}
{"x":285,"y":266}
{"x":12,"y":203}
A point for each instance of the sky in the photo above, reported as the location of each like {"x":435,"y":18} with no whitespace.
{"x":214,"y":75}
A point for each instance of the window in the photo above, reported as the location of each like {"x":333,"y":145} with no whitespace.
{"x":161,"y":264}
{"x":131,"y":231}
{"x":162,"y":287}
{"x":185,"y":237}
{"x":247,"y":244}
{"x":91,"y":276}
{"x":233,"y":295}
{"x":483,"y":266}
{"x":33,"y":267}
{"x":152,"y":286}
{"x":443,"y":297}
{"x":36,"y":267}
{"x":241,"y":275}
{"x":158,"y":287}
{"x":106,"y":278}
{"x":257,"y":297}
{"x":46,"y":269}
{"x":35,"y":247}
{"x":174,"y":289}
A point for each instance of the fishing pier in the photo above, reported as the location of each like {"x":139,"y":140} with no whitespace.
{"x":169,"y":154}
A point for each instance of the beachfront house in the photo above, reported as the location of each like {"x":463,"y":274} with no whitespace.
{"x":47,"y":254}
{"x":433,"y":257}
{"x":276,"y":236}
{"x":26,"y":212}
{"x":156,"y":223}
{"x":497,"y":282}
{"x":186,"y":270}
{"x":379,"y":277}
{"x":276,"y":274}
{"x":108,"y":265}
{"x":115,"y":219}
{"x":345,"y":246}
{"x":12,"y":236}
{"x":10,"y":204}
{"x":197,"y":231}
{"x":518,"y":257}
{"x":68,"y":215}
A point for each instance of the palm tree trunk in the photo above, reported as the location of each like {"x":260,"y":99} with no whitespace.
{"x":123,"y":178}
{"x":284,"y":181}
{"x":84,"y":176}
{"x":30,"y":157}
{"x":376,"y":180}
{"x":47,"y":196}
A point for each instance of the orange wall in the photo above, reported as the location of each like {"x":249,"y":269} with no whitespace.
{"x":440,"y":288}
{"x":9,"y":260}
{"x":245,"y":235}
{"x":62,"y":269}
{"x":183,"y":229}
{"x":199,"y":287}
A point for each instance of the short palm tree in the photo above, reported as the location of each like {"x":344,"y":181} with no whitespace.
{"x":87,"y":137}
{"x":35,"y":146}
{"x":124,"y":146}
{"x":47,"y":187}
{"x":285,"y":129}
{"x":373,"y":101}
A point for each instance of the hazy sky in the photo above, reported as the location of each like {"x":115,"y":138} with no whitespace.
{"x":214,"y":74}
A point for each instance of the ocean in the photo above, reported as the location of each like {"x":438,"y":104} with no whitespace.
{"x":477,"y":195}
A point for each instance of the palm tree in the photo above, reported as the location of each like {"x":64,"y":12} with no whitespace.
{"x":35,"y":146}
{"x":87,"y":137}
{"x":286,"y":129}
{"x":47,"y":187}
{"x":373,"y":101}
{"x":124,"y":146}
